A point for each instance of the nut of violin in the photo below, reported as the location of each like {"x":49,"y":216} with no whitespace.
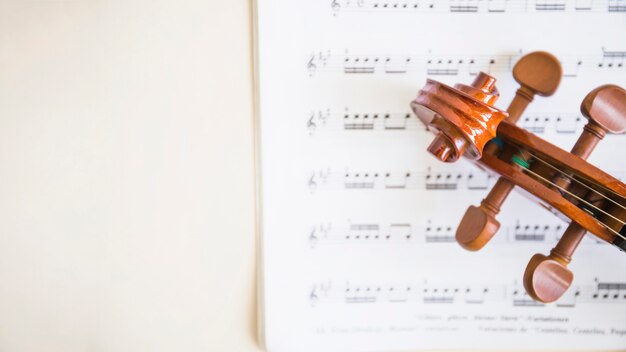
{"x":606,"y":106}
{"x":540,"y":72}
{"x":476,"y":228}
{"x":546,"y":279}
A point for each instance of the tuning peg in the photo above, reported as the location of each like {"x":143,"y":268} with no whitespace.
{"x":538,"y":73}
{"x":606,"y":107}
{"x":547,"y":277}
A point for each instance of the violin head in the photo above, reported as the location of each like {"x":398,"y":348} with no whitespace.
{"x":463,"y":117}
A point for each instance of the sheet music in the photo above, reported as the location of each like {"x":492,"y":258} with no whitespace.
{"x":358,"y":221}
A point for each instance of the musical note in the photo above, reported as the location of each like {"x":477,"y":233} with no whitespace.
{"x":397,"y":66}
{"x":549,"y":5}
{"x":358,"y":294}
{"x":617,"y":6}
{"x":442,"y":67}
{"x":571,"y":68}
{"x":478,"y":180}
{"x":439,"y":234}
{"x":360,"y":64}
{"x":401,"y":231}
{"x":463,"y":6}
{"x":476,"y":295}
{"x":612,"y":59}
{"x":567,"y":126}
{"x":521,"y":299}
{"x":359,"y":122}
{"x":610,"y":291}
{"x":534,"y":125}
{"x":360,"y":180}
{"x":535,"y":232}
{"x":443,"y":180}
{"x":365,"y":231}
{"x":438,"y":296}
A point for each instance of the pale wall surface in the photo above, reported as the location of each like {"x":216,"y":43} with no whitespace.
{"x":126,"y":176}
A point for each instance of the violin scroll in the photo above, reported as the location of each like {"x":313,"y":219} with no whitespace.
{"x":464,"y":120}
{"x":464,"y":116}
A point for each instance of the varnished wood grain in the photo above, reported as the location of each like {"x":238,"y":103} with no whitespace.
{"x":549,"y":179}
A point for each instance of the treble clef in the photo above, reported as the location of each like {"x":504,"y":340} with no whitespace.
{"x":335,"y":6}
{"x":313,"y":298}
{"x":312,"y":238}
{"x":312,"y":183}
{"x":311,"y":66}
{"x":311,"y":125}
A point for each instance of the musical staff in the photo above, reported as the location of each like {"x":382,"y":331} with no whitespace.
{"x":324,"y":121}
{"x":430,"y":180}
{"x":437,"y":65}
{"x":424,"y":293}
{"x":610,"y":290}
{"x":428,"y":232}
{"x":359,"y":222}
{"x":328,"y":179}
{"x":478,"y":6}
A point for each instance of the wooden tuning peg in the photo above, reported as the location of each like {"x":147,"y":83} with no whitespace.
{"x":547,"y":277}
{"x":538,"y":73}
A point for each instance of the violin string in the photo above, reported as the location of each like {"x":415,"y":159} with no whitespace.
{"x":581,"y":183}
{"x":570,"y":177}
{"x":581,"y":200}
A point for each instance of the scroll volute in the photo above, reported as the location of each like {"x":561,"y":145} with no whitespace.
{"x":464,"y":116}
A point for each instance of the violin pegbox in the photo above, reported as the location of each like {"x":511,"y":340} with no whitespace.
{"x":538,"y":73}
{"x":463,"y":117}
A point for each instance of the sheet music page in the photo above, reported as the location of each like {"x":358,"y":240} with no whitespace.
{"x":358,"y":220}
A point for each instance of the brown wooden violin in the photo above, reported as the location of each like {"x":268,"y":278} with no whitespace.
{"x":466,"y":123}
